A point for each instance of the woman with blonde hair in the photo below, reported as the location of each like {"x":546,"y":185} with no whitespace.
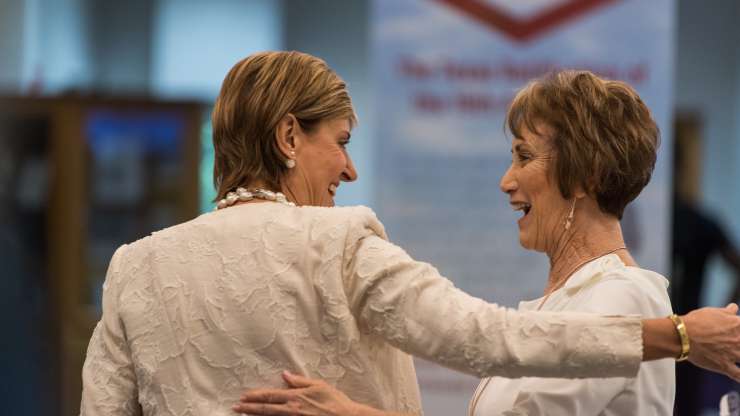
{"x":277,"y":278}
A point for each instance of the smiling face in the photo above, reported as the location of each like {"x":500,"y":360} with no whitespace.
{"x":322,"y":163}
{"x":533,"y":190}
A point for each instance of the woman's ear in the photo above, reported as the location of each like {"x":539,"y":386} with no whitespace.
{"x":286,"y":135}
{"x":579,"y":193}
{"x":585,"y":188}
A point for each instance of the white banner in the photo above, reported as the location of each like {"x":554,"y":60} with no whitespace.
{"x":445,"y":72}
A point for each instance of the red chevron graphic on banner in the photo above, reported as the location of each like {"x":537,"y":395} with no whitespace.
{"x":526,"y":29}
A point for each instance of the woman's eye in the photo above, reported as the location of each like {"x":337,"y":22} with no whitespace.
{"x":523,"y":157}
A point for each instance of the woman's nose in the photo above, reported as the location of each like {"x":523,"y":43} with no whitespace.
{"x":349,"y":174}
{"x":507,"y":183}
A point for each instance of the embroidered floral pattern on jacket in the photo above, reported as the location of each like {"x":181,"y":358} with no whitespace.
{"x":196,"y":313}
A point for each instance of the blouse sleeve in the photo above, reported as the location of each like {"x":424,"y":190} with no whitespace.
{"x":108,"y":378}
{"x":414,"y":308}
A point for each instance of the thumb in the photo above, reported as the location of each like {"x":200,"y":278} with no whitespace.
{"x":732,"y":308}
{"x":296,"y":381}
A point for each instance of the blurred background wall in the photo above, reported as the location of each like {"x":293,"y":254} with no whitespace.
{"x":707,"y":86}
{"x":100,"y":95}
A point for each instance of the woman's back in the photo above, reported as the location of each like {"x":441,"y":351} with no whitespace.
{"x":232,"y":298}
{"x":196,"y":313}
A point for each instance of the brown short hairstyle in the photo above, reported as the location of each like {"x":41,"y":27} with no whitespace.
{"x":256,"y":94}
{"x":605,"y":139}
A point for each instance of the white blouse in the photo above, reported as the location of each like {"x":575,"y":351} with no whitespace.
{"x":196,"y":313}
{"x":603,"y":286}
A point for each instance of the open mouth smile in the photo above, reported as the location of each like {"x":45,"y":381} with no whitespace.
{"x":521,"y":206}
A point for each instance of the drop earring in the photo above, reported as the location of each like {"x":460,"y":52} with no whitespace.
{"x":569,"y":218}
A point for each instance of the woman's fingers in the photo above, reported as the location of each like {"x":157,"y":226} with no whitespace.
{"x":734,"y":372}
{"x":276,"y":402}
{"x":266,"y":396}
{"x":732,"y":308}
{"x":305,"y":396}
{"x":297,"y":381}
{"x":263,"y":409}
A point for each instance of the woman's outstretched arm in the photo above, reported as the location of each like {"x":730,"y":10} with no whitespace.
{"x":412,"y":307}
{"x":713,"y":333}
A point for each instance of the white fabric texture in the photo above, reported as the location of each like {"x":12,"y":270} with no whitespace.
{"x":603,"y":286}
{"x":196,"y":313}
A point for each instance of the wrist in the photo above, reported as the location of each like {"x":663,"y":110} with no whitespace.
{"x":659,"y":339}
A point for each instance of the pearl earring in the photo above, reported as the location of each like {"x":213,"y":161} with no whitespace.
{"x":290,"y":163}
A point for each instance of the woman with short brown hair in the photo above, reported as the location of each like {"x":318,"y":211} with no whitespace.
{"x":604,"y":137}
{"x":583,"y":148}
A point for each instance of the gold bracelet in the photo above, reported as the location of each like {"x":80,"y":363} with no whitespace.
{"x":685,"y":344}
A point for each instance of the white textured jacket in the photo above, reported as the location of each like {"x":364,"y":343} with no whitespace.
{"x":196,"y":313}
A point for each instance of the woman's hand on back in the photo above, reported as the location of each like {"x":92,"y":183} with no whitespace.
{"x":304,"y":396}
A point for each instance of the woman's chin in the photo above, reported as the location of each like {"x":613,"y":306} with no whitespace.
{"x":327,"y":203}
{"x":528,"y":243}
{"x":524,"y":242}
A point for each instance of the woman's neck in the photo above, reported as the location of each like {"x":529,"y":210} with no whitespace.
{"x":588,"y":240}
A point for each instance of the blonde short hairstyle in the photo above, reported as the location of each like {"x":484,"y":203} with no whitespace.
{"x":256,"y":94}
{"x":605,"y":139}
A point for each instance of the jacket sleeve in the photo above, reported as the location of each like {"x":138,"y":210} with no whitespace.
{"x":414,"y":308}
{"x":108,"y":378}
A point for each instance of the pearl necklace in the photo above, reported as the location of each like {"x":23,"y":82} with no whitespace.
{"x":243,"y":195}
